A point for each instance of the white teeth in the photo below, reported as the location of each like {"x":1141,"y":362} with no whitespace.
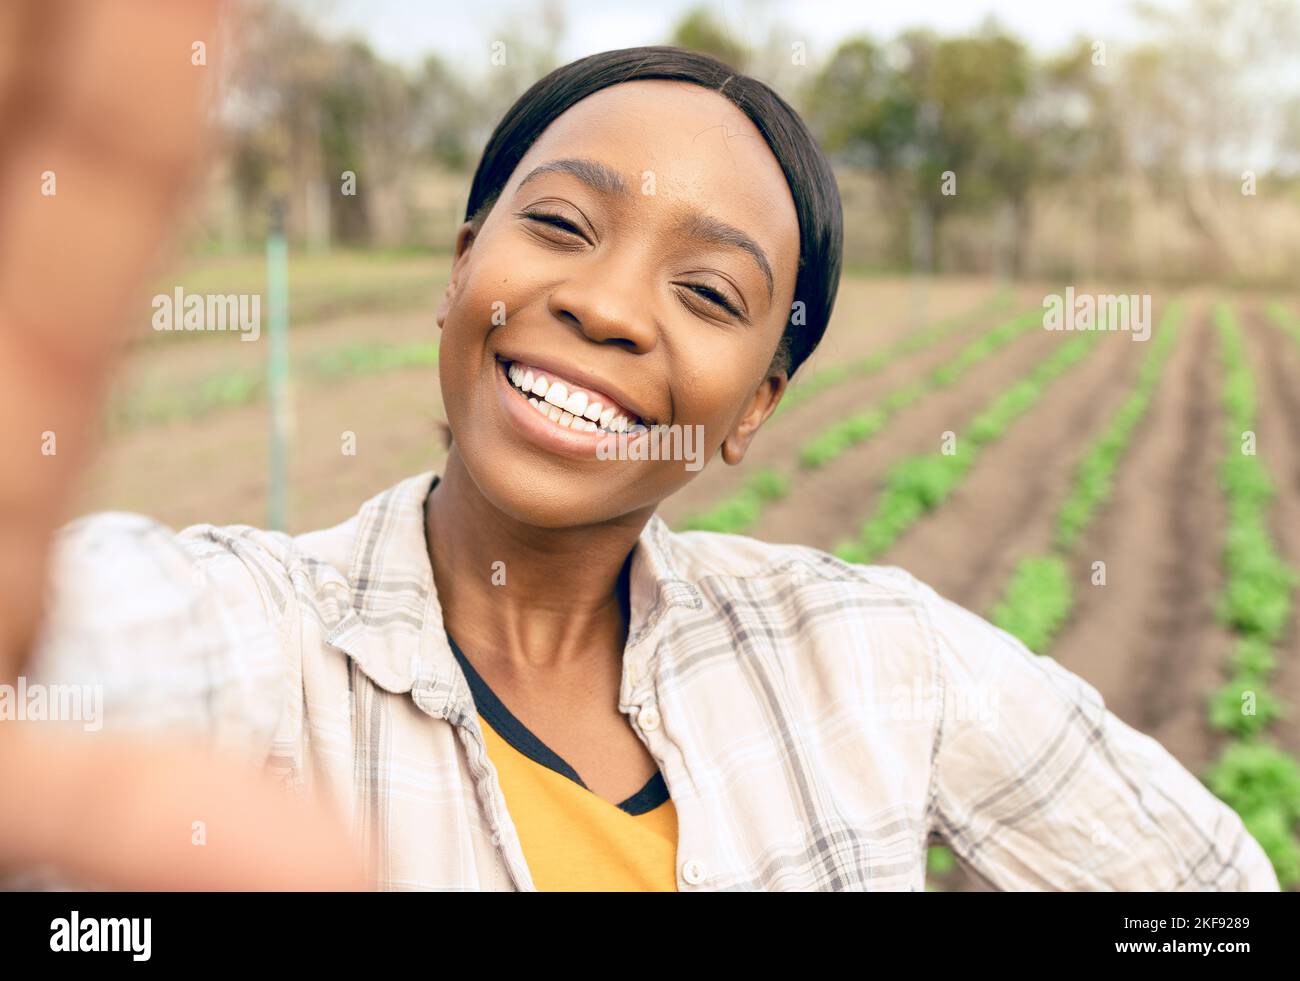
{"x":576,"y":403}
{"x":573,"y":410}
{"x":557,"y":393}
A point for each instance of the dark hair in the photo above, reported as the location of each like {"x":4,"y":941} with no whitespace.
{"x":812,"y":183}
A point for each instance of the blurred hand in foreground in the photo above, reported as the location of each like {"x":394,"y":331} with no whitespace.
{"x":105,"y":98}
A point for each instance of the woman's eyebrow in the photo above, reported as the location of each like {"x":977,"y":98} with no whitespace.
{"x":596,"y":175}
{"x":705,"y":228}
{"x":694,"y":223}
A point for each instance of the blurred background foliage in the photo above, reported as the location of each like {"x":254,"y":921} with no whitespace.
{"x":1094,"y":160}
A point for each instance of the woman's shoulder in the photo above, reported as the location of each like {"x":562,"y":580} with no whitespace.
{"x":132,"y":554}
{"x":171,"y":627}
{"x":133,"y":565}
{"x":810,"y":586}
{"x":719,"y":556}
{"x":124,"y":536}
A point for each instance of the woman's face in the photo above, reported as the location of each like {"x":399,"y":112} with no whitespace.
{"x":642,"y":256}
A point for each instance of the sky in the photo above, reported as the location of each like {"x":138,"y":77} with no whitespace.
{"x":405,"y":30}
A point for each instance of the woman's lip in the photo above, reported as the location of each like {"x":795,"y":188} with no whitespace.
{"x":573,"y":376}
{"x":539,"y":429}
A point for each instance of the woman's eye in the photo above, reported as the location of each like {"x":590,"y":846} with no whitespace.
{"x":714,"y":297}
{"x":554,"y":220}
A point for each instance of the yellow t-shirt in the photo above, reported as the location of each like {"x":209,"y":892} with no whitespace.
{"x":573,"y":839}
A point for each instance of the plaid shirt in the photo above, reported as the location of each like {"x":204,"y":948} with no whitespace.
{"x":816,"y":722}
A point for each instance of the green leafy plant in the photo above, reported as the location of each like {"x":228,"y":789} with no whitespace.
{"x":1228,"y":707}
{"x":1284,"y":320}
{"x":939,"y":860}
{"x":1037,"y":601}
{"x":1262,"y":784}
{"x":738,"y":512}
{"x":1253,"y":657}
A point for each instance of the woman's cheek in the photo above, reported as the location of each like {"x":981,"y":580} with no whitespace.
{"x":713,"y":391}
{"x":488,"y":277}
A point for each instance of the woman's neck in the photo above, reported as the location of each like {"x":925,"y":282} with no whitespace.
{"x":536,"y":597}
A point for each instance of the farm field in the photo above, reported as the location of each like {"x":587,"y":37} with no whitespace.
{"x":939,"y":428}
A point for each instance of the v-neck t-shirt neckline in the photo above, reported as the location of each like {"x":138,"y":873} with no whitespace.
{"x":519,"y":736}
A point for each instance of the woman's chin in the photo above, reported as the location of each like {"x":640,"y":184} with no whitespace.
{"x":544,"y":500}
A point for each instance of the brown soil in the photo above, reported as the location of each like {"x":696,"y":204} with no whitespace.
{"x":1004,"y":509}
{"x":778,"y":443}
{"x":828,"y":504}
{"x":1148,"y":640}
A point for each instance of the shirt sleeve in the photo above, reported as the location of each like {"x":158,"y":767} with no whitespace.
{"x":157,"y":630}
{"x":1038,"y":786}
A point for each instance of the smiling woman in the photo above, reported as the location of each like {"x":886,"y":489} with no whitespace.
{"x":513,"y":675}
{"x":667,"y":303}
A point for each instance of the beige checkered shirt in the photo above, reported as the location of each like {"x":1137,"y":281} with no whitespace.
{"x":817,"y":723}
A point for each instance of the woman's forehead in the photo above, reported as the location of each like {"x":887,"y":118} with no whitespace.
{"x":683,"y":145}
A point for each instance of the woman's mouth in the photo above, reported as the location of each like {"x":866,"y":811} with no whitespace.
{"x":566,"y":404}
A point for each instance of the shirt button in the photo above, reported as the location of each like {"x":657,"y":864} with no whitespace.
{"x":693,"y":871}
{"x":648,"y":718}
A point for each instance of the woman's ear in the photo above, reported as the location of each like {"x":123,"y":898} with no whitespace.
{"x":762,"y":405}
{"x":464,"y":241}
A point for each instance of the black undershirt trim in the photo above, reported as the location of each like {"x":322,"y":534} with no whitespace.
{"x":518,"y":735}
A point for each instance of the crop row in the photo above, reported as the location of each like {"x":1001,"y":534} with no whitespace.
{"x":1039,"y":594}
{"x":738,"y":512}
{"x":919,"y":484}
{"x":917,"y":340}
{"x":233,"y":387}
{"x":1040,"y":588}
{"x":1285,"y":321}
{"x":841,"y":436}
{"x":1258,"y":779}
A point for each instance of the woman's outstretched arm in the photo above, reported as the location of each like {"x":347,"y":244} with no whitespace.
{"x":1044,"y":788}
{"x":106,"y":100}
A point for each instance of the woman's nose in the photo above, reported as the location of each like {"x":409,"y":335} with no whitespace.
{"x":610,"y":302}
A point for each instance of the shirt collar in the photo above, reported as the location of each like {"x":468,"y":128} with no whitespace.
{"x":393,"y":626}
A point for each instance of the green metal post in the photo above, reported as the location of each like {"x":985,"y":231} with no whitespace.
{"x":277,"y":375}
